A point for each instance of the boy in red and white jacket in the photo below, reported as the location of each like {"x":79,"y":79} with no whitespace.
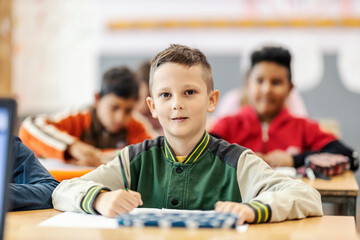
{"x":266,"y":126}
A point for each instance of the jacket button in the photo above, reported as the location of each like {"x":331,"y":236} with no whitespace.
{"x":174,"y":201}
{"x":179,"y":170}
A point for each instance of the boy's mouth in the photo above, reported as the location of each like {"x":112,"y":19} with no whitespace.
{"x":179,"y":118}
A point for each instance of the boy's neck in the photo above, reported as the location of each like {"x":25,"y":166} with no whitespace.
{"x":183,"y":146}
{"x":265,"y":120}
{"x":268,"y":118}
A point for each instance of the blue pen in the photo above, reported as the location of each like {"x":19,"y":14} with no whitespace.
{"x":123,"y":173}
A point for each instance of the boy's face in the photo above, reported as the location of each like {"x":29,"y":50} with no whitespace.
{"x":180,"y":100}
{"x":114,"y":112}
{"x":268,"y":87}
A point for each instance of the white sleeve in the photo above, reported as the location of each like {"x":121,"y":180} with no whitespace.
{"x":69,"y":194}
{"x":287,"y":198}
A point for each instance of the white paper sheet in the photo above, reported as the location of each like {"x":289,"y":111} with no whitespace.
{"x":79,"y":220}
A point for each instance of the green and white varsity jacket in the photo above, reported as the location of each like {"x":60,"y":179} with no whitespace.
{"x":214,"y":171}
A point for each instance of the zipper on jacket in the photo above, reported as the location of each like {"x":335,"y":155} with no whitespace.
{"x":265,"y":136}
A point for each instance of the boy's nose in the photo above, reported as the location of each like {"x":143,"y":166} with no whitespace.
{"x":177,"y":104}
{"x":266,"y":87}
{"x":119,"y":117}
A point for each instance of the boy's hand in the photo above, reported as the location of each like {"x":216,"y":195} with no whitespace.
{"x":260,"y":155}
{"x":107,"y":156}
{"x":279,"y":158}
{"x":85,"y":154}
{"x":244,"y":212}
{"x":114,"y":203}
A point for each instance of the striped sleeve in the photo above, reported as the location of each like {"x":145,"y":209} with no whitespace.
{"x":262,"y":211}
{"x":50,"y":136}
{"x":273,"y":196}
{"x":79,"y":194}
{"x":88,"y":200}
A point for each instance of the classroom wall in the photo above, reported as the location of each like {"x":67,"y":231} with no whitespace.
{"x":54,"y":54}
{"x":331,"y":99}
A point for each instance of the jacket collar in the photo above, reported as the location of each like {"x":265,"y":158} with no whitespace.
{"x":193,"y":155}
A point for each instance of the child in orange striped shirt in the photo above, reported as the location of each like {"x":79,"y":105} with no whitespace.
{"x":83,"y":136}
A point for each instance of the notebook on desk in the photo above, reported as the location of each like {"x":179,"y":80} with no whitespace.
{"x":7,"y":115}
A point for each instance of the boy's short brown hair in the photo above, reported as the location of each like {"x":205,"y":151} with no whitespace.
{"x":120,"y":81}
{"x":185,"y":56}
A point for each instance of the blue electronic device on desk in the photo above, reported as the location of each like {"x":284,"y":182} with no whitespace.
{"x":179,"y":218}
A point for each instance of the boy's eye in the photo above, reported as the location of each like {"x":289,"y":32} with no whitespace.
{"x":190,"y":92}
{"x":276,"y":81}
{"x":128,"y":110}
{"x":260,"y":80}
{"x":165,"y":95}
{"x":114,"y":108}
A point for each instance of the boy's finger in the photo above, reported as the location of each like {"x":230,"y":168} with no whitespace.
{"x":120,"y":210}
{"x":218,"y":205}
{"x":240,"y":220}
{"x":131,"y":199}
{"x":241,"y":217}
{"x":228,"y":207}
{"x":236,"y":209}
{"x":126,"y":205}
{"x":135,"y":198}
{"x":222,"y":207}
{"x":137,"y":195}
{"x":95,"y":157}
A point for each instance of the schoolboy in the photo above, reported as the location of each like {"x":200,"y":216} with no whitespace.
{"x":31,"y":185}
{"x":266,"y":126}
{"x":187,"y":168}
{"x":84,"y":135}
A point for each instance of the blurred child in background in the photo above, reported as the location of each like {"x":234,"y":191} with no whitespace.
{"x":266,"y":126}
{"x":82,"y":136}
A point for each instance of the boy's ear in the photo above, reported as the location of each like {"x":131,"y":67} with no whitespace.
{"x":291,"y":87}
{"x":96,"y":99}
{"x":151,"y":106}
{"x":246,"y":82}
{"x":213,"y":100}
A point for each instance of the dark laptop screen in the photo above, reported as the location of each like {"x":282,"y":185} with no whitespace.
{"x":7,"y":112}
{"x":4,"y":128}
